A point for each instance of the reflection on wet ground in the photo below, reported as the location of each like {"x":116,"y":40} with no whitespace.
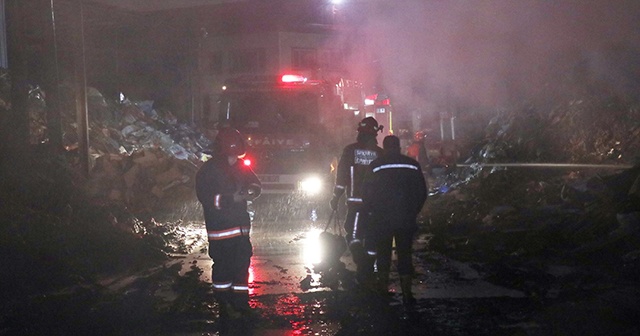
{"x":291,"y":298}
{"x":285,"y":254}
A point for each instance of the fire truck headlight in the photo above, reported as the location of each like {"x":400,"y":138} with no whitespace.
{"x":311,"y":185}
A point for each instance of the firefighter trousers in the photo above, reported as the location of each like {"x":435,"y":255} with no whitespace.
{"x":230,"y":270}
{"x":356,"y":225}
{"x":384,"y":246}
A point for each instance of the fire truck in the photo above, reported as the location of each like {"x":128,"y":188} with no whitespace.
{"x":295,"y":127}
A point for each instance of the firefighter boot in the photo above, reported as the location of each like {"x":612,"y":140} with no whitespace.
{"x":382,"y":285}
{"x":240,"y":303}
{"x":364,"y":273}
{"x":407,"y":295}
{"x":227,"y":310}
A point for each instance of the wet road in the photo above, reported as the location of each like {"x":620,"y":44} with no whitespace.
{"x":454,"y":298}
{"x":285,"y":253}
{"x":293,"y":299}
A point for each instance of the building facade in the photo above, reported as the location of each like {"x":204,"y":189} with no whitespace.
{"x":302,"y":37}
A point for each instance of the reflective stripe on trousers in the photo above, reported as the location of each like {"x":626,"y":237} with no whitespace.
{"x":225,"y":286}
{"x":221,"y":286}
{"x":240,"y":288}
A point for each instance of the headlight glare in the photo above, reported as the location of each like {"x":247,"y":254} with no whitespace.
{"x":311,"y":185}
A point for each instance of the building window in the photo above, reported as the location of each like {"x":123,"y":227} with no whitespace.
{"x":215,"y":63}
{"x":303,"y":58}
{"x":330,"y":59}
{"x":248,"y":61}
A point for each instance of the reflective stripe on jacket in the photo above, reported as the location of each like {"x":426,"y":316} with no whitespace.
{"x":394,"y":190}
{"x":216,"y":184}
{"x":352,"y":168}
{"x":229,"y":233}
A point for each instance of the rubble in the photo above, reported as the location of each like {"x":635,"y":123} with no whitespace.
{"x":141,"y":157}
{"x":64,"y":228}
{"x":587,"y":214}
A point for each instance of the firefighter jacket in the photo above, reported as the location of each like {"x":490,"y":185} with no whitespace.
{"x":353,"y":165}
{"x":216,"y":184}
{"x":394,"y":191}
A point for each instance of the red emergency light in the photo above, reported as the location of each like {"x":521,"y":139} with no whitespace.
{"x":292,"y":78}
{"x":247,"y":162}
{"x":374,"y":99}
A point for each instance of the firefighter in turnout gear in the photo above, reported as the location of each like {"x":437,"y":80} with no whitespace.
{"x":353,"y":164}
{"x":223,"y":186}
{"x":418,"y":151}
{"x":394,"y":192}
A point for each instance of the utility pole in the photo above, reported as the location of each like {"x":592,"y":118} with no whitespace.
{"x":15,"y":122}
{"x":50,"y":75}
{"x":80,"y":88}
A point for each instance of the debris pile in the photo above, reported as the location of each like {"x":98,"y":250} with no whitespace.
{"x":61,"y":228}
{"x":590,"y":130}
{"x":140,"y":157}
{"x":588,"y":212}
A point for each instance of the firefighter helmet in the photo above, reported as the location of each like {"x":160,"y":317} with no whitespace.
{"x":229,"y":142}
{"x":369,"y":125}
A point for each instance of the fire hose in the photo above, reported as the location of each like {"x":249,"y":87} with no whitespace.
{"x":547,"y":165}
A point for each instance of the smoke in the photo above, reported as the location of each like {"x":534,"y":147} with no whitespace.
{"x":431,"y":55}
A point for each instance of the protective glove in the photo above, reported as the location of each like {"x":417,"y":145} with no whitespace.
{"x":239,"y":196}
{"x":334,"y":203}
